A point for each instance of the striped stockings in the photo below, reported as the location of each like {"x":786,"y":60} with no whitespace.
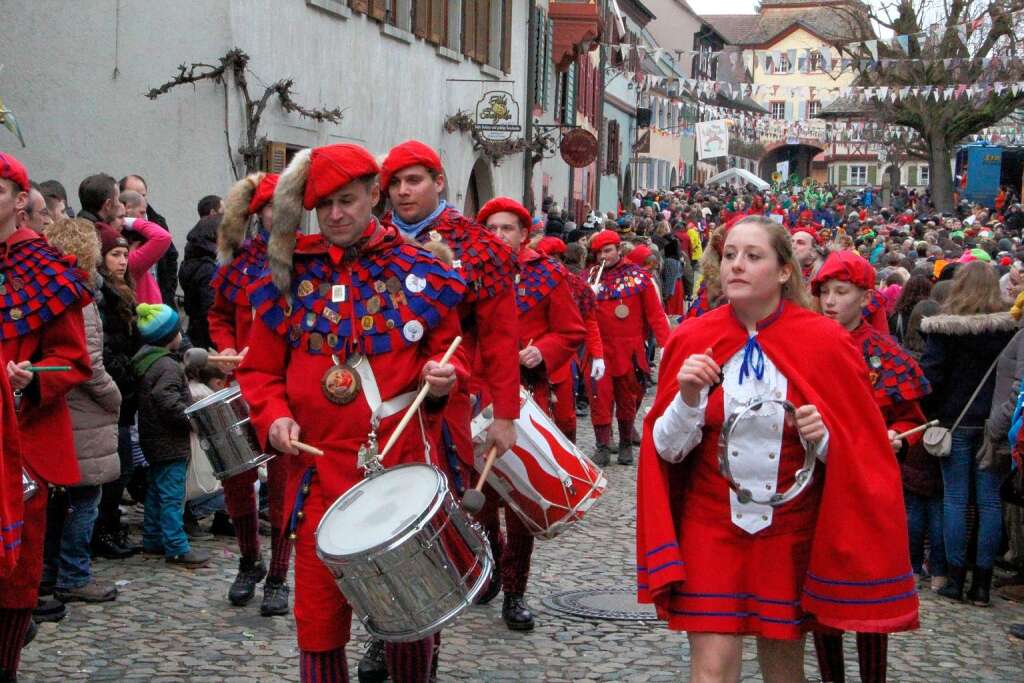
{"x":872,"y":655}
{"x":411,"y":662}
{"x":280,"y":553}
{"x":247,"y":532}
{"x":13,"y":625}
{"x":323,"y":667}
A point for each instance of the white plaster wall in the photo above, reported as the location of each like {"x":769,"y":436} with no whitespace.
{"x":78,"y":118}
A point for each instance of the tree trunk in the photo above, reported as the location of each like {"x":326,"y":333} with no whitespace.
{"x":939,"y":174}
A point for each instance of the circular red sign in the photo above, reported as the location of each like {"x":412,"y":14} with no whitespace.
{"x":579,"y":148}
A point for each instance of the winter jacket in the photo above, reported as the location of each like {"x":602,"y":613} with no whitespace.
{"x":163,"y":397}
{"x":144,"y":257}
{"x":958,"y":351}
{"x":167,"y":266}
{"x":94,"y":406}
{"x":197,"y":269}
{"x":121,"y":341}
{"x":1009,"y":371}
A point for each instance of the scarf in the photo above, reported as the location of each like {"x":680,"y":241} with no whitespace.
{"x":414,"y":229}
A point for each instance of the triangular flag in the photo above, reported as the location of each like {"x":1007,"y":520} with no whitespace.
{"x":826,"y":59}
{"x":872,"y":47}
{"x":962,"y":32}
{"x":903,"y":42}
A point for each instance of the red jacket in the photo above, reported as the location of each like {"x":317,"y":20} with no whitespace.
{"x":628,"y":307}
{"x":10,"y":479}
{"x":291,"y":346}
{"x":548,"y":315}
{"x":859,"y":576}
{"x":586,"y":302}
{"x":41,"y":302}
{"x":230,"y":317}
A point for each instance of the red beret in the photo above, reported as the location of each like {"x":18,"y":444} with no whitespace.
{"x":551,"y":246}
{"x":846,"y":266}
{"x":264,"y":192}
{"x":603,"y":239}
{"x":499,"y":204}
{"x":333,"y":167}
{"x":639,"y":254}
{"x":11,"y":169}
{"x":809,"y":229}
{"x":409,"y":153}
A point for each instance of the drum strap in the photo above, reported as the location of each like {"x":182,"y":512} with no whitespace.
{"x":380,"y":409}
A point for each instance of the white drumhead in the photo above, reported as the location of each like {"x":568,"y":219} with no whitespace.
{"x":377,"y":510}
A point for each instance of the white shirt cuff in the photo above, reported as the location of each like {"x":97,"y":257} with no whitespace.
{"x":678,"y":430}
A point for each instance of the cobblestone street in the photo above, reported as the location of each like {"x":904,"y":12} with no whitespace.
{"x":171,"y":624}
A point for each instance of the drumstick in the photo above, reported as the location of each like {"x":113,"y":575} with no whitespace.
{"x":417,"y":401}
{"x":226,"y":359}
{"x":306,"y":448}
{"x":48,"y":368}
{"x":473,"y":499}
{"x":915,"y":430}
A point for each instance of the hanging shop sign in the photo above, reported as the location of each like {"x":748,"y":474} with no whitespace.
{"x":579,"y":148}
{"x":497,"y":115}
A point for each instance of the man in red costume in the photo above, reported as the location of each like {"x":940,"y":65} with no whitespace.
{"x":352,"y":308}
{"x":628,"y":309}
{"x":550,"y":332}
{"x":843,"y":286}
{"x":230,"y":318}
{"x":413,"y":178}
{"x":562,"y":388}
{"x":806,"y":247}
{"x":41,"y":300}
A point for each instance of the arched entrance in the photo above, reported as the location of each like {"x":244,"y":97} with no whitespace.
{"x":673,"y":178}
{"x":798,"y":155}
{"x":627,"y":188}
{"x":480,"y":188}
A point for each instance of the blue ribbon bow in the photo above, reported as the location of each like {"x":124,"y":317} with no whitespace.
{"x":751,"y":364}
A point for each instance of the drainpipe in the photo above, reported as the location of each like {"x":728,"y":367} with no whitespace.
{"x":531,"y":68}
{"x":599,"y":124}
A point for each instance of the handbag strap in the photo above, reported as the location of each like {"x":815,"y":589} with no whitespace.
{"x":977,"y":390}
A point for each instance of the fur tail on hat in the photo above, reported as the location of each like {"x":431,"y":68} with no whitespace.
{"x":233,"y":225}
{"x":288,"y":210}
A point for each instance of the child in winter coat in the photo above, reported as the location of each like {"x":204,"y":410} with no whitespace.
{"x":164,"y":435}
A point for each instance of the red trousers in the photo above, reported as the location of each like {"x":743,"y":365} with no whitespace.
{"x":622,"y":392}
{"x":240,"y":493}
{"x":20,"y":590}
{"x":564,"y":409}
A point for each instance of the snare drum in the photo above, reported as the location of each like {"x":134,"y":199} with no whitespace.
{"x":29,"y":487}
{"x":221,"y":421}
{"x":406,"y":556}
{"x":545,"y":479}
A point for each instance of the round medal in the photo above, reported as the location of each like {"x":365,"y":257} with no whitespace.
{"x":373,"y":305}
{"x":435,"y":236}
{"x":413,"y":330}
{"x":622,"y":311}
{"x":366,"y":322}
{"x":414,"y":283}
{"x":305,"y":288}
{"x":340,"y":385}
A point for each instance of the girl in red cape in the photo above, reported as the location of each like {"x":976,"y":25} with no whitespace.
{"x":719,"y":566}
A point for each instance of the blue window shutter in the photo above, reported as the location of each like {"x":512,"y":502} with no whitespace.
{"x":803,"y":109}
{"x":789,"y":110}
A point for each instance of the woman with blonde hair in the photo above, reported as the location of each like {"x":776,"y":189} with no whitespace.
{"x":962,"y":344}
{"x":94,"y":406}
{"x":772,"y":545}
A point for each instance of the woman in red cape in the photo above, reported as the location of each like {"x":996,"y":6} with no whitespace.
{"x":720,"y":567}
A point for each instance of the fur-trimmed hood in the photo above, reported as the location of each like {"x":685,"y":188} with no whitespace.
{"x":963,"y":325}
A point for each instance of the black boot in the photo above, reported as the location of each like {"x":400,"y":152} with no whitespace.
{"x":49,"y":609}
{"x":602,"y":455}
{"x":954,"y":590}
{"x":105,"y":544}
{"x":625,"y":451}
{"x":275,"y":598}
{"x":222,"y":525}
{"x":243,"y":588}
{"x":516,"y":614}
{"x":373,"y":667}
{"x":981,"y":582}
{"x":30,"y":634}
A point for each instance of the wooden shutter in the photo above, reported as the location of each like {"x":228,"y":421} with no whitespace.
{"x":378,"y":9}
{"x":439,"y":22}
{"x":275,"y":157}
{"x":844,"y":175}
{"x":421,"y":18}
{"x":506,"y":36}
{"x":483,"y":31}
{"x":912,"y":175}
{"x":872,"y":175}
{"x":469,"y":28}
{"x":359,"y":5}
{"x":538,"y":60}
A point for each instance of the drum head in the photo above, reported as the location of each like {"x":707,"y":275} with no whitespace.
{"x":378,"y":509}
{"x":213,"y":398}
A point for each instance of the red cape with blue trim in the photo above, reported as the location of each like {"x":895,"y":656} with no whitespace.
{"x":859,"y":577}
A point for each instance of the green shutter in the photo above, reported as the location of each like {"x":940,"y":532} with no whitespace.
{"x":872,"y":175}
{"x":912,"y":175}
{"x":549,"y":64}
{"x":844,"y":174}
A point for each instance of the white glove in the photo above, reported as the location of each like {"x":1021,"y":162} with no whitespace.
{"x":129,"y":221}
{"x":597,"y":369}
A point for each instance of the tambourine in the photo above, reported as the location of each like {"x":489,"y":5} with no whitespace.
{"x":803,"y":475}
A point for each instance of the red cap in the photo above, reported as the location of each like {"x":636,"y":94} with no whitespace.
{"x":846,"y":266}
{"x":639,"y":254}
{"x":110,"y":238}
{"x":409,"y":153}
{"x":264,"y":192}
{"x":1006,"y":261}
{"x":603,"y":239}
{"x":11,"y":169}
{"x":499,"y":204}
{"x":809,"y":229}
{"x":334,"y":167}
{"x":551,"y":246}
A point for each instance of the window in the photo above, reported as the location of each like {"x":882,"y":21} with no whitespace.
{"x":816,"y":63}
{"x":783,"y":66}
{"x":778,"y":110}
{"x":813,"y":107}
{"x":858,"y":175}
{"x":613,"y":149}
{"x":923,"y":175}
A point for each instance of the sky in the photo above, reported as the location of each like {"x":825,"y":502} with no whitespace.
{"x":723,"y":6}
